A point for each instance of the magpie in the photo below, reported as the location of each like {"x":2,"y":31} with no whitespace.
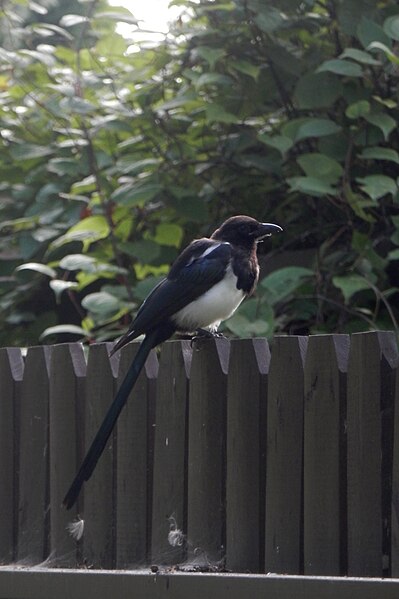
{"x":205,"y":285}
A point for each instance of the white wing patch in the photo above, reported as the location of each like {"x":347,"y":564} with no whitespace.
{"x":217,"y":304}
{"x":208,"y":251}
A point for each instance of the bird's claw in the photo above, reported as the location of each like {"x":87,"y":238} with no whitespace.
{"x":205,"y":334}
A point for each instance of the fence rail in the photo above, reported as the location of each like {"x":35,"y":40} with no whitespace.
{"x":230,"y":455}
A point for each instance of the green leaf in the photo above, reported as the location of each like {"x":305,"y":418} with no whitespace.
{"x":268,"y":18}
{"x":88,"y":230}
{"x":377,"y":153}
{"x":383,"y":121}
{"x":317,"y":90}
{"x":60,"y":329}
{"x":255,"y":317}
{"x":283,"y":282}
{"x":359,"y":204}
{"x":77,"y":105}
{"x":101,"y":303}
{"x":118,"y":14}
{"x":132,"y":167}
{"x":311,"y":186}
{"x":71,"y":20}
{"x":247,"y":68}
{"x":111,"y":45}
{"x":211,"y":55}
{"x":169,"y":234}
{"x":321,"y":167}
{"x":350,"y":12}
{"x":78,"y":262}
{"x":59,"y":286}
{"x":131,"y":194}
{"x":216,"y":113}
{"x":387,"y":51}
{"x":212,"y":79}
{"x":368,"y":31}
{"x":341,"y":67}
{"x":28,"y":151}
{"x":145,"y":250}
{"x":282,"y":143}
{"x":37,"y":267}
{"x":350,"y":284}
{"x":358,"y":109}
{"x":391,"y":27}
{"x":376,"y":186}
{"x":359,"y":56}
{"x":243,"y":327}
{"x":299,"y":129}
{"x":63,"y":166}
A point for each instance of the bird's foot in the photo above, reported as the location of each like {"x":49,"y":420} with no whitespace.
{"x":205,"y":334}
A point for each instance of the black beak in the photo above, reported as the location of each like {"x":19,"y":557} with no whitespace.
{"x":267,"y":229}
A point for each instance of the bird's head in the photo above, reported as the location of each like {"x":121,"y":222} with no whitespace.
{"x":244,"y":230}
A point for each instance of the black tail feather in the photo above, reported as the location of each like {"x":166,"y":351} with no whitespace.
{"x":105,"y":430}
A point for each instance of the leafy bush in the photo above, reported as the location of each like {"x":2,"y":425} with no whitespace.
{"x":112,"y":160}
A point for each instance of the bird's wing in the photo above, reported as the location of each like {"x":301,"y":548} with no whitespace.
{"x":200,"y":266}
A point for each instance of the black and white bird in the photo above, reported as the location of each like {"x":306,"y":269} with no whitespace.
{"x":205,"y":285}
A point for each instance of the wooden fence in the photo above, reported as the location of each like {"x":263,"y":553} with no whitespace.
{"x":229,"y":455}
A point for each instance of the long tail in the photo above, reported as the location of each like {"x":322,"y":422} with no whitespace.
{"x":105,"y":430}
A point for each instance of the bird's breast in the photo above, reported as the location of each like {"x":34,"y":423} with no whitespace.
{"x":215,"y":305}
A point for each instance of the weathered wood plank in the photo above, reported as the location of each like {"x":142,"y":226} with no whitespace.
{"x":67,"y":378}
{"x":206,"y":452}
{"x":283,"y":544}
{"x":33,"y":492}
{"x":80,"y":584}
{"x":395,"y":483}
{"x":170,"y":454}
{"x":132,"y":465}
{"x":246,"y":423}
{"x":11,"y":372}
{"x":325,"y":455}
{"x":98,"y":492}
{"x":370,"y":428}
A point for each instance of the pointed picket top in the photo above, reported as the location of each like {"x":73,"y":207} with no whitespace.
{"x":32,"y":419}
{"x":66,"y":393}
{"x":169,"y":525}
{"x":283,"y":551}
{"x":370,"y":439}
{"x":132,"y":484}
{"x":97,"y":493}
{"x":245,"y":467}
{"x":206,"y":451}
{"x":324,"y":454}
{"x":11,"y":372}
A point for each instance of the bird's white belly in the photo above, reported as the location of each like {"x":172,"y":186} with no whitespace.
{"x":217,"y":304}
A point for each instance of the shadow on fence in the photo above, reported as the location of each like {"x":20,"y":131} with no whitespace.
{"x":228,"y":454}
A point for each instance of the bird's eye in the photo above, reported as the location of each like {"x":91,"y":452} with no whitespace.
{"x":244,"y":229}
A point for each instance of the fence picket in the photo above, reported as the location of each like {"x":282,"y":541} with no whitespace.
{"x":246,"y":423}
{"x":11,"y":371}
{"x":325,"y":455}
{"x":370,"y":420}
{"x":98,"y":492}
{"x":206,"y":451}
{"x":283,"y":544}
{"x":33,"y":491}
{"x":170,"y":450}
{"x":67,"y":376}
{"x":133,"y":468}
{"x":395,"y":483}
